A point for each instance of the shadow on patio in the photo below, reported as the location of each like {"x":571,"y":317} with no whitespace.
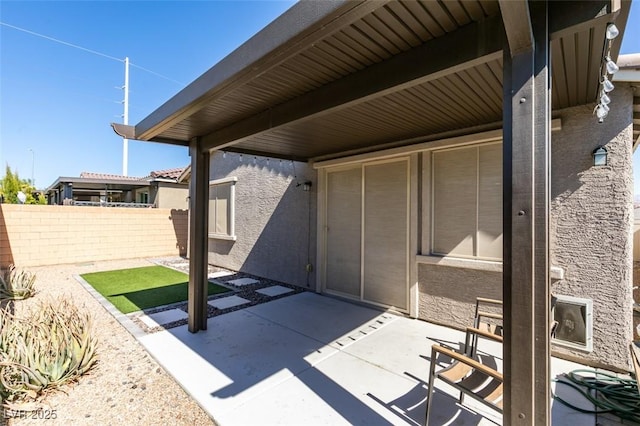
{"x":309,"y":359}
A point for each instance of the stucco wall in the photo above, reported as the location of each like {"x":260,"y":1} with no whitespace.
{"x":448,"y":294}
{"x":590,"y":236}
{"x":274,"y":218}
{"x":592,"y":221}
{"x":172,"y":196}
{"x":33,"y":235}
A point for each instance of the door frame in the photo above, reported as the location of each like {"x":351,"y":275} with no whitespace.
{"x":412,"y":239}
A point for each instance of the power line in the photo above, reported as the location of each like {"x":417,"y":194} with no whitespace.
{"x":157,"y":74}
{"x":61,"y":42}
{"x":95,"y":52}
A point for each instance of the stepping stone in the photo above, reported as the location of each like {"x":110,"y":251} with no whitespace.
{"x":220,"y":274}
{"x":243,"y":281}
{"x":228,"y":302}
{"x":163,"y":317}
{"x":275,"y":290}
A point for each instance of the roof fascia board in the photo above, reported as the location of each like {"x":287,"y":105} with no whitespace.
{"x":129,"y":132}
{"x":426,"y":62}
{"x":295,"y":30}
{"x":124,"y":130}
{"x":629,"y":61}
{"x":630,"y":76}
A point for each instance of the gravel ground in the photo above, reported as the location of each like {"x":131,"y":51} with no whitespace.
{"x":127,"y":386}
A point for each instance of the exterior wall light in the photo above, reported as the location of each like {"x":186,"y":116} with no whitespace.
{"x":600,"y":156}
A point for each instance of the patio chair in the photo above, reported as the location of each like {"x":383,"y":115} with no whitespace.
{"x":466,"y":374}
{"x":489,"y":320}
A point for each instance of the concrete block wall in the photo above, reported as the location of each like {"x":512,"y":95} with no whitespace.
{"x":33,"y":235}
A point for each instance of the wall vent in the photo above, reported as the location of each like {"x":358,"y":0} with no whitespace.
{"x":574,"y":317}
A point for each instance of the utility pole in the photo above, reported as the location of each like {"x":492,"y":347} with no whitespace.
{"x":33,"y":166}
{"x":125,"y":141}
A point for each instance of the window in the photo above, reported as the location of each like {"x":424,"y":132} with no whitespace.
{"x":467,"y":202}
{"x":222,"y":208}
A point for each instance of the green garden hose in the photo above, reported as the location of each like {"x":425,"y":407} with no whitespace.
{"x":609,"y":393}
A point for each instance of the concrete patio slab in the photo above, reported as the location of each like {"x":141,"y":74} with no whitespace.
{"x":163,"y":317}
{"x":561,"y":413}
{"x":240,"y":356}
{"x":274,"y":290}
{"x":285,"y":362}
{"x":322,"y":318}
{"x":220,"y":274}
{"x":240,"y":282}
{"x":228,"y":302}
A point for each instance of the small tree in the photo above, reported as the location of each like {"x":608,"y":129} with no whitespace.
{"x":11,"y":184}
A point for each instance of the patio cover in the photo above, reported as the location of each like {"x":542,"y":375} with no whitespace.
{"x":333,"y":78}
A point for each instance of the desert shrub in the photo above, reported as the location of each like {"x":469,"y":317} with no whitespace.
{"x":50,"y":346}
{"x":16,"y":284}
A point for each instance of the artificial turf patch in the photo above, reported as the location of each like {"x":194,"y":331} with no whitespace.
{"x":136,"y":289}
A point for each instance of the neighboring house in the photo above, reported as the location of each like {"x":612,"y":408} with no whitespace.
{"x":356,"y":148}
{"x":160,"y":189}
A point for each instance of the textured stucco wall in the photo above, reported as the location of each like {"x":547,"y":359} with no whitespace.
{"x":590,"y":236}
{"x":592,"y":221}
{"x":448,"y":294}
{"x":274,"y":218}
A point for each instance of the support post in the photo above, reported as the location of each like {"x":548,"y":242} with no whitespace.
{"x":526,"y":171}
{"x":198,"y":236}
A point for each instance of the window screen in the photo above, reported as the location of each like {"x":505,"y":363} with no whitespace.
{"x":467,"y":202}
{"x":221,"y":210}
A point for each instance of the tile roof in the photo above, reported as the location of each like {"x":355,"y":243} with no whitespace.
{"x":105,"y":176}
{"x":156,"y":174}
{"x":168,"y":173}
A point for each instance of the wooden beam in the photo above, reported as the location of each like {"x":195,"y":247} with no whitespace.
{"x":198,"y":237}
{"x":526,"y":213}
{"x":426,"y":62}
{"x":542,"y":200}
{"x":517,"y":25}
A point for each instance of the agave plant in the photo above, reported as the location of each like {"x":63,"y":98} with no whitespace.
{"x":16,"y":284}
{"x":49,"y":347}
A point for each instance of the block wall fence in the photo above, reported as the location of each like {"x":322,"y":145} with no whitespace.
{"x":34,"y":235}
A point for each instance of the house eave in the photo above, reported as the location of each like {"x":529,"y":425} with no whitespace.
{"x":256,"y":63}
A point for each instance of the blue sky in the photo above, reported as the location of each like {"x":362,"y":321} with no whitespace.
{"x":59,"y":100}
{"x":56,"y":101}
